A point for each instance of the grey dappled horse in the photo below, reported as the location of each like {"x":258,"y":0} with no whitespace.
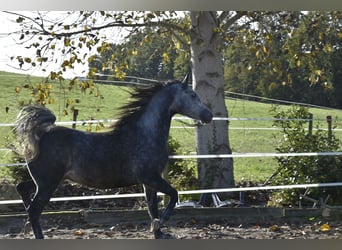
{"x":133,"y":152}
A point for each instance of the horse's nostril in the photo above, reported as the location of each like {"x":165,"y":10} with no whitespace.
{"x":206,"y":116}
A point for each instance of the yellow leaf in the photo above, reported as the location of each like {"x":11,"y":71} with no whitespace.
{"x":67,"y":42}
{"x":147,"y":39}
{"x":17,"y":89}
{"x":78,"y":232}
{"x":265,"y":49}
{"x":72,"y":59}
{"x":318,"y":72}
{"x":134,"y":52}
{"x":166,"y":57}
{"x":328,"y":48}
{"x":41,"y":59}
{"x":177,"y":45}
{"x":298,"y":63}
{"x":28,"y":60}
{"x":325,"y":228}
{"x":274,"y":228}
{"x":91,"y":58}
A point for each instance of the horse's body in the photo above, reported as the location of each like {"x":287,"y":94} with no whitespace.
{"x":134,"y":152}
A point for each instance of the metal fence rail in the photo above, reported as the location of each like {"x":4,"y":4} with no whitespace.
{"x":199,"y":191}
{"x":213,"y":156}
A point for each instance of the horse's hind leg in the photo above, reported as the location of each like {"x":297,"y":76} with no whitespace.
{"x":46,"y":185}
{"x":26,"y":189}
{"x":41,"y":198}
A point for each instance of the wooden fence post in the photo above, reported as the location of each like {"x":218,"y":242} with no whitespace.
{"x":329,"y":121}
{"x":310,"y":123}
{"x":74,"y":118}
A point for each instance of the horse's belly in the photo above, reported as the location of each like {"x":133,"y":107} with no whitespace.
{"x":102,"y":181}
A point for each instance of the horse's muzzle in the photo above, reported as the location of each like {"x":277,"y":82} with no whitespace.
{"x":206,"y":116}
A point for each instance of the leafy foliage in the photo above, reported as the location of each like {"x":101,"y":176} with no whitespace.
{"x":41,"y":92}
{"x":148,"y":54}
{"x":300,"y":170}
{"x":75,"y":38}
{"x":182,"y":174}
{"x":287,"y":55}
{"x":283,"y":54}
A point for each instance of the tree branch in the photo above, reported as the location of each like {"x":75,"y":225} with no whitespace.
{"x":43,"y":31}
{"x":233,"y":19}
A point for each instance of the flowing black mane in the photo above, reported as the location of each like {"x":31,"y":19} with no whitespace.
{"x":140,"y":97}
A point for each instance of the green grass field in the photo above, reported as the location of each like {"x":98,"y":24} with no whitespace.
{"x":245,"y":136}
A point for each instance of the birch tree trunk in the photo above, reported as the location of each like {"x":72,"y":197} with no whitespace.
{"x":208,"y":82}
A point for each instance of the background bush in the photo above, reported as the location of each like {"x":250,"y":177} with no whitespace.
{"x":182,"y":174}
{"x":299,"y":170}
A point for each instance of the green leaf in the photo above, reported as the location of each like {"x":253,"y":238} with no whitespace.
{"x":27,"y":60}
{"x":67,"y":42}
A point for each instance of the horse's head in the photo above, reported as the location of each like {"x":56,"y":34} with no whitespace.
{"x":188,"y":103}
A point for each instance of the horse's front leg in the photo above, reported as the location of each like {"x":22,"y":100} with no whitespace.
{"x":152,"y":202}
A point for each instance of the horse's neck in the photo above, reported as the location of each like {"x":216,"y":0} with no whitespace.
{"x":156,"y":119}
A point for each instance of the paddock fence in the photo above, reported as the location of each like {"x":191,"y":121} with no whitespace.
{"x":194,"y":156}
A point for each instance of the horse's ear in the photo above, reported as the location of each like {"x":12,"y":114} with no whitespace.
{"x":186,"y":80}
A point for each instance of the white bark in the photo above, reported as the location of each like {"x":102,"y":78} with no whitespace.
{"x":208,"y":82}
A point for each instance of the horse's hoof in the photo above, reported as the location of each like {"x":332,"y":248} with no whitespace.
{"x":155,"y":228}
{"x":155,"y":225}
{"x":27,"y":228}
{"x":163,"y":236}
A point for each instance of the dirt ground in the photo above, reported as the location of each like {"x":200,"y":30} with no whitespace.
{"x":189,"y":230}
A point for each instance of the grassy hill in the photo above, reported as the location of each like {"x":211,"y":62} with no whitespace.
{"x":246,"y":136}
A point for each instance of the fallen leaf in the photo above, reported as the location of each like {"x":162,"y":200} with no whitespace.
{"x":78,"y":232}
{"x":274,"y":228}
{"x":325,"y":228}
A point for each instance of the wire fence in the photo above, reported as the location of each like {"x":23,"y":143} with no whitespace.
{"x":198,"y":191}
{"x":194,"y":156}
{"x":134,"y":81}
{"x":189,"y":126}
